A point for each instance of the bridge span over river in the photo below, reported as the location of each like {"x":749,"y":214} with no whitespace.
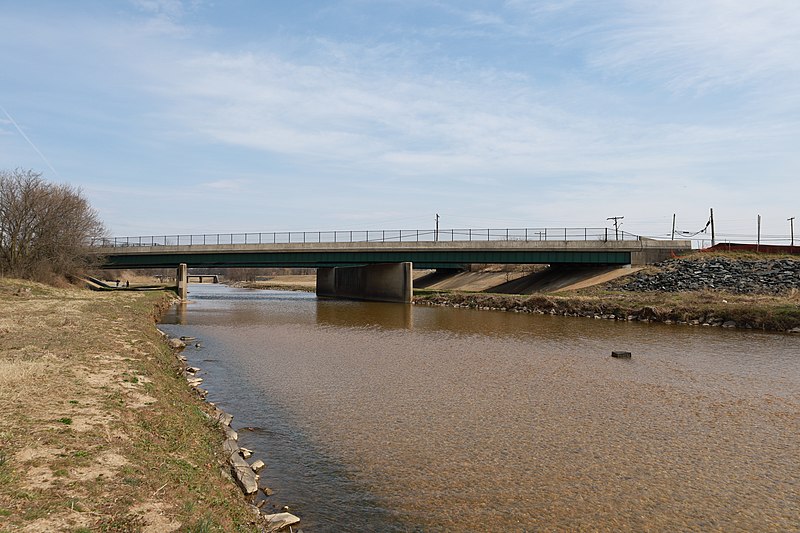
{"x":377,"y":264}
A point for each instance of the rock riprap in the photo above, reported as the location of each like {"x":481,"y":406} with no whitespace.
{"x":759,"y":276}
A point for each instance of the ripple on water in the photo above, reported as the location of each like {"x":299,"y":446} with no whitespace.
{"x":392,"y":418}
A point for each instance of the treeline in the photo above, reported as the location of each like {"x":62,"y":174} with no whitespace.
{"x":45,"y":228}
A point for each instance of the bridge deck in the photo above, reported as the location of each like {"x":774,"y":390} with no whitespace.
{"x":421,"y":254}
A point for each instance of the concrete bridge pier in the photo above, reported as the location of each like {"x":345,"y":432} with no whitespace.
{"x":388,"y":282}
{"x":182,"y":279}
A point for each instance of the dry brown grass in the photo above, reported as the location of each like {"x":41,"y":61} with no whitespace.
{"x":306,"y":283}
{"x":98,"y":431}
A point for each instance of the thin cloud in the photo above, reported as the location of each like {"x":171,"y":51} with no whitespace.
{"x":702,"y":45}
{"x":228,"y":185}
{"x":428,"y":126}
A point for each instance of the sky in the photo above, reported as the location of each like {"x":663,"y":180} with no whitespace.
{"x":201,"y":116}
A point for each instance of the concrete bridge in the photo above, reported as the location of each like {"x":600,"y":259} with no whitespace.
{"x":201,"y":278}
{"x":377,"y":264}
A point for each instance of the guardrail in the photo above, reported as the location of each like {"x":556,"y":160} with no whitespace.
{"x":426,"y":235}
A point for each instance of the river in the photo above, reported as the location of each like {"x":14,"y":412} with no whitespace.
{"x":386,"y":417}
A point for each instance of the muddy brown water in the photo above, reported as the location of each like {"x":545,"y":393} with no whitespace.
{"x":385,"y":417}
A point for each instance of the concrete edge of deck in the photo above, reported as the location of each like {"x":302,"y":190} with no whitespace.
{"x":643,"y":251}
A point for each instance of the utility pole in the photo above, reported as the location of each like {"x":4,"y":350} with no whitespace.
{"x":436,"y":235}
{"x":758,"y":242}
{"x":673,"y":227}
{"x":713,"y":239}
{"x":791,"y":228}
{"x":616,"y":226}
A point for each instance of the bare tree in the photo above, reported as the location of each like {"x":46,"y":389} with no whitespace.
{"x":45,"y":228}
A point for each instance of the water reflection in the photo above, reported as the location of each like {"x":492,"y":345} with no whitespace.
{"x":181,"y":313}
{"x":364,"y":314}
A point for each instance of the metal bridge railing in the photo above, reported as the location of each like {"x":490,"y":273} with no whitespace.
{"x":418,"y":235}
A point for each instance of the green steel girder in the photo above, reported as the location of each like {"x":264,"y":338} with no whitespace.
{"x":421,"y":259}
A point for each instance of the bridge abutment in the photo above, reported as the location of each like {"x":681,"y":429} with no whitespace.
{"x":389,"y":282}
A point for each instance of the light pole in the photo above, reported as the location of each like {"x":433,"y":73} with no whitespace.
{"x":791,"y":229}
{"x":436,"y":235}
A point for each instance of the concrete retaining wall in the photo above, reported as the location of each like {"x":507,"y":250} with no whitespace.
{"x":651,"y":251}
{"x":391,"y":282}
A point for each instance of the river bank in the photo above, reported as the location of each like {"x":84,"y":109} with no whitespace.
{"x":99,"y":430}
{"x":768,"y":313}
{"x":728,"y":290}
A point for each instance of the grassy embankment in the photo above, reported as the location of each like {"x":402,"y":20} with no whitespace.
{"x":98,"y":430}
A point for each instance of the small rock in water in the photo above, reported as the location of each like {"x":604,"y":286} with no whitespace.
{"x":230,"y":446}
{"x":230,"y":433}
{"x":267,"y":491}
{"x":621,"y":354}
{"x":278,"y":521}
{"x":245,"y":453}
{"x":224,"y":418}
{"x":177,"y":344}
{"x":245,"y":477}
{"x":258,"y":466}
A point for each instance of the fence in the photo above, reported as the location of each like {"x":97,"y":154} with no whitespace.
{"x":426,"y":235}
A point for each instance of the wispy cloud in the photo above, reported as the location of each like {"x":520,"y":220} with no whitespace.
{"x":425,"y":126}
{"x":700,"y":46}
{"x":164,"y":17}
{"x":228,"y":185}
{"x":166,"y":8}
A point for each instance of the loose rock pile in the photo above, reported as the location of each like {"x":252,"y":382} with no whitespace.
{"x":763,"y":276}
